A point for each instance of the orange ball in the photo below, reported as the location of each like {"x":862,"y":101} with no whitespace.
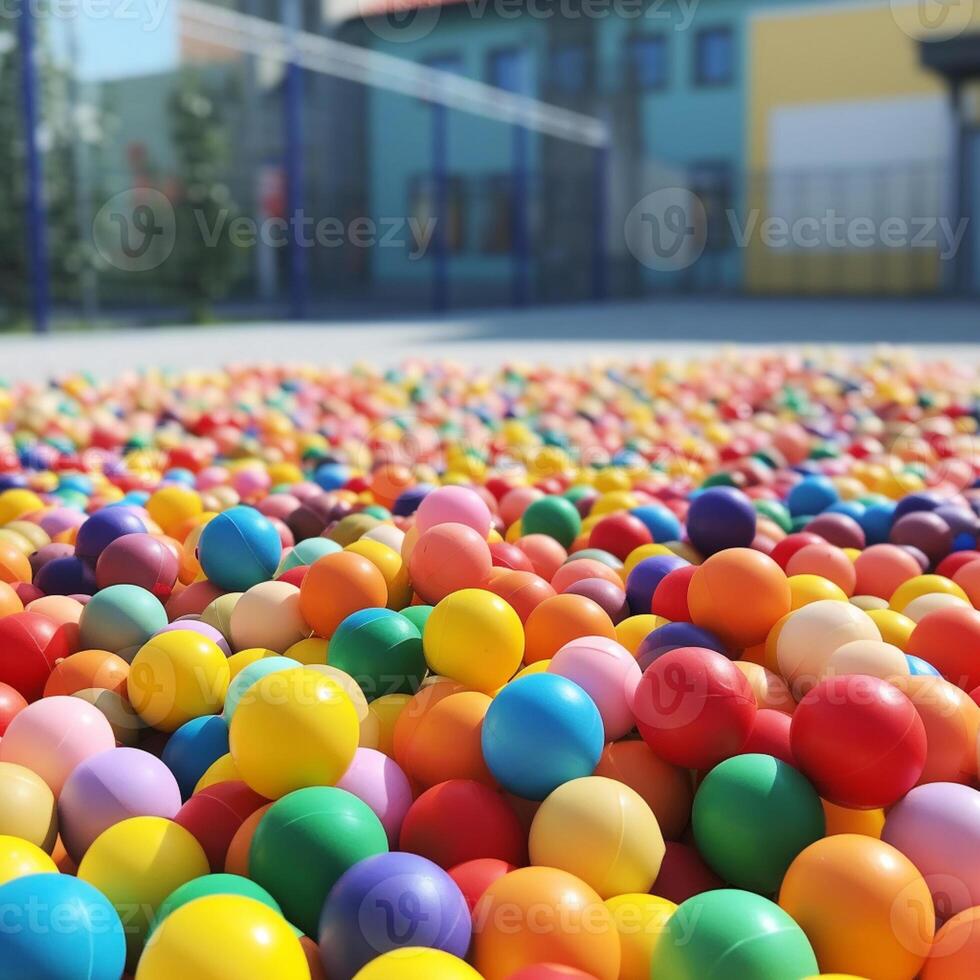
{"x":770,"y":689}
{"x":14,"y":566}
{"x":843,"y":820}
{"x":968,"y":579}
{"x":863,"y":905}
{"x":337,"y":585}
{"x":522,"y":591}
{"x":882,"y":568}
{"x":410,"y":717}
{"x":236,"y":857}
{"x":666,"y":788}
{"x":955,"y":953}
{"x":949,"y":639}
{"x":10,"y":602}
{"x":952,"y":722}
{"x":562,"y":618}
{"x":739,"y":595}
{"x":543,"y":915}
{"x":447,"y":558}
{"x":87,"y":669}
{"x":826,"y":561}
{"x":583,"y":568}
{"x":546,"y":554}
{"x":388,"y":482}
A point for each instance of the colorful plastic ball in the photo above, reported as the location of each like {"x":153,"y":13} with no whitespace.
{"x":812,"y":495}
{"x":956,"y":949}
{"x":305,"y":553}
{"x":924,"y":530}
{"x":919,"y":668}
{"x":10,"y":602}
{"x":545,"y":553}
{"x":193,"y":748}
{"x":640,"y":920}
{"x":752,"y":815}
{"x":644,"y":578}
{"x":462,"y":820}
{"x":248,"y":677}
{"x":560,"y":619}
{"x":619,"y":534}
{"x":609,"y":597}
{"x":379,"y":781}
{"x":557,"y":517}
{"x":662,"y":524}
{"x":922,"y":585}
{"x":882,"y":568}
{"x":551,"y":971}
{"x":937,"y":827}
{"x":215,"y":813}
{"x":770,"y":735}
{"x":602,"y":832}
{"x":541,"y":731}
{"x":138,"y":559}
{"x":683,"y":874}
{"x":109,"y":787}
{"x":305,"y":842}
{"x":863,"y":906}
{"x":670,"y":596}
{"x":523,"y":591}
{"x":448,"y":558}
{"x":52,"y":736}
{"x":474,"y":877}
{"x":734,"y":933}
{"x":417,"y":963}
{"x":770,"y":689}
{"x":104,"y":527}
{"x":874,"y":657}
{"x":949,"y":640}
{"x":298,"y":729}
{"x":840,"y":530}
{"x":806,"y":588}
{"x":543,"y":915}
{"x":87,"y":669}
{"x":268,"y":616}
{"x":177,"y":676}
{"x":338,"y":585}
{"x":136,"y":864}
{"x":120,"y":619}
{"x":27,"y":807}
{"x":172,"y":507}
{"x":672,"y":636}
{"x":453,"y":505}
{"x":828,"y":562}
{"x":60,"y":928}
{"x":223,"y":935}
{"x":30,"y":646}
{"x":694,"y":707}
{"x":608,"y":673}
{"x":239,"y":548}
{"x":810,"y":635}
{"x":65,"y":576}
{"x":859,"y":740}
{"x":387,"y":902}
{"x":19,"y":857}
{"x":213,"y":884}
{"x":720,"y":518}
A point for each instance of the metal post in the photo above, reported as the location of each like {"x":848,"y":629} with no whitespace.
{"x":294,"y":171}
{"x":36,"y":224}
{"x":440,"y":191}
{"x":519,"y":218}
{"x":600,"y":217}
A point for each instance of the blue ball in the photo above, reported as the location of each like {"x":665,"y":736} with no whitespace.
{"x":920,"y":668}
{"x":720,"y":518}
{"x":644,"y":578}
{"x":387,"y":902}
{"x":192,"y":749}
{"x":102,"y":528}
{"x":539,"y":732}
{"x":68,"y":575}
{"x":239,"y":548}
{"x":58,"y":927}
{"x":306,"y":552}
{"x":926,"y":500}
{"x":180,"y":475}
{"x":331,"y":476}
{"x":408,"y":500}
{"x":852,"y":508}
{"x":662,"y":524}
{"x":876,"y":522}
{"x":673,"y":636}
{"x":812,"y":495}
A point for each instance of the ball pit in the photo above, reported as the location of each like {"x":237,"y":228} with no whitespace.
{"x":265,"y":662}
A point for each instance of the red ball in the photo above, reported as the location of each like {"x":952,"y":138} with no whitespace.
{"x":791,"y":544}
{"x":473,"y":878}
{"x":859,"y":740}
{"x":619,"y":534}
{"x":11,"y":702}
{"x":949,"y":639}
{"x":506,"y":555}
{"x":446,"y":558}
{"x":694,"y":707}
{"x":30,"y":646}
{"x":214,"y":815}
{"x":295,"y":576}
{"x":954,"y":561}
{"x":683,"y":874}
{"x":550,"y":971}
{"x":670,"y":596}
{"x":462,"y":820}
{"x":770,"y":735}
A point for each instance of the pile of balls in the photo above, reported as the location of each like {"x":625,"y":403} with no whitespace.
{"x":652,"y":672}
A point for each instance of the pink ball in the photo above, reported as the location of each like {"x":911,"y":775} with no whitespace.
{"x":515,"y":502}
{"x":52,"y":736}
{"x":379,"y":782}
{"x":608,"y":673}
{"x":279,"y":505}
{"x":454,"y":505}
{"x":60,"y":519}
{"x":251,"y":481}
{"x":211,"y":477}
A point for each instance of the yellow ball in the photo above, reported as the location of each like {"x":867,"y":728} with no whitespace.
{"x":172,"y":506}
{"x":474,"y":637}
{"x":136,"y":864}
{"x":633,"y":630}
{"x":19,"y":857}
{"x":34,"y":533}
{"x":223,"y":936}
{"x":389,"y":562}
{"x":237,"y":662}
{"x":638,"y":554}
{"x":873,"y":657}
{"x":27,"y":807}
{"x":923,"y":585}
{"x":894,"y":627}
{"x":639,"y":920}
{"x":177,"y":676}
{"x":16,"y":502}
{"x":378,"y":730}
{"x":298,"y":728}
{"x":804,"y":589}
{"x":313,"y":650}
{"x":352,"y":689}
{"x":602,"y":832}
{"x":222,"y":770}
{"x":416,"y":963}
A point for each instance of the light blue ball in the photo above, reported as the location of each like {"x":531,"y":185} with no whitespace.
{"x":331,"y":476}
{"x":58,"y":927}
{"x":121,"y":618}
{"x":812,"y":495}
{"x":239,"y":548}
{"x":662,"y":524}
{"x":876,"y":522}
{"x":920,"y":668}
{"x":305,"y":553}
{"x":192,"y":749}
{"x":540,"y":732}
{"x":250,"y":675}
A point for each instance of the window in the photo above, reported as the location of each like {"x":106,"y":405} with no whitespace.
{"x":445,"y":62}
{"x":713,"y":183}
{"x":569,"y":68}
{"x":510,"y":69}
{"x":714,"y":56}
{"x":423,"y":207}
{"x":496,"y":220}
{"x":646,"y":59}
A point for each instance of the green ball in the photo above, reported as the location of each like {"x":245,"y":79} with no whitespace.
{"x":726,"y":934}
{"x":752,"y":815}
{"x":557,"y":517}
{"x":219,"y":884}
{"x":596,"y":554}
{"x":776,"y":512}
{"x":120,"y":619}
{"x":418,"y":616}
{"x":305,"y":842}
{"x":382,"y":650}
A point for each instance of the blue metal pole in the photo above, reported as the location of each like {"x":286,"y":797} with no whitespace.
{"x":36,"y":223}
{"x":600,"y":220}
{"x":519,"y":218}
{"x":440,"y":180}
{"x":294,"y":172}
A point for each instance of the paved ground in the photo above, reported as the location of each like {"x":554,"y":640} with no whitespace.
{"x":682,"y":327}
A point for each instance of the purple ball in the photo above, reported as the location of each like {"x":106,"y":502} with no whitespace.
{"x":604,"y":593}
{"x":388,"y":902}
{"x":138,"y":559}
{"x":65,"y":576}
{"x":961,"y":520}
{"x":646,"y":575}
{"x":720,"y":518}
{"x":915,"y":502}
{"x":926,"y":531}
{"x":196,"y":626}
{"x":102,"y":528}
{"x":48,"y":552}
{"x":673,"y":636}
{"x":837,"y":529}
{"x":111,"y":786}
